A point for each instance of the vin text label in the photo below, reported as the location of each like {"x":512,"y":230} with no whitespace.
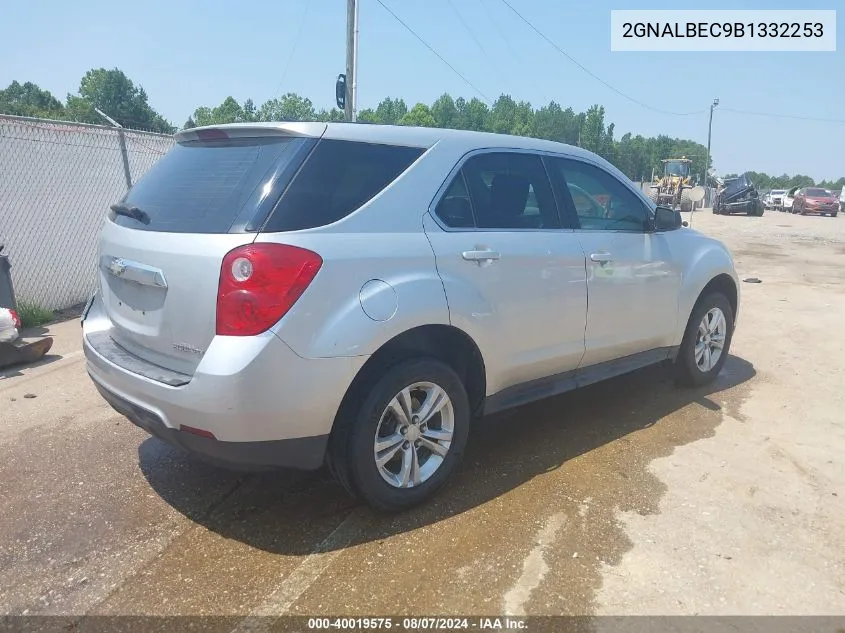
{"x":723,"y":30}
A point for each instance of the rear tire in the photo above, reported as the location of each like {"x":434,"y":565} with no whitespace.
{"x":353,"y":453}
{"x":694,"y":365}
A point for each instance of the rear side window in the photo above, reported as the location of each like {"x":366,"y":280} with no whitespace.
{"x":205,"y":186}
{"x":338,"y":178}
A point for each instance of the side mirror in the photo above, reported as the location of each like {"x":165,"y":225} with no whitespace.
{"x":666,"y":219}
{"x":340,"y":91}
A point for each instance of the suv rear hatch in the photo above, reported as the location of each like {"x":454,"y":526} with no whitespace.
{"x":162,"y":247}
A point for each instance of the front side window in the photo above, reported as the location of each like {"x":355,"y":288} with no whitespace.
{"x":599,"y":199}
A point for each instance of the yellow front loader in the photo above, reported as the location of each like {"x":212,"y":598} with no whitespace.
{"x":672,"y":188}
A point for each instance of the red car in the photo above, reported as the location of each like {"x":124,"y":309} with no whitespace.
{"x":815,"y":200}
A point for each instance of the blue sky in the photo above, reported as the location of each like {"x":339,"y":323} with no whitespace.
{"x":187,"y":53}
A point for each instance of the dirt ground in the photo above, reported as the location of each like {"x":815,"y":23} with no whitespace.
{"x":630,"y":497}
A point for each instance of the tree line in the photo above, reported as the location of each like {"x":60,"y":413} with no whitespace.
{"x":109,"y":90}
{"x":765,"y":182}
{"x":637,"y":156}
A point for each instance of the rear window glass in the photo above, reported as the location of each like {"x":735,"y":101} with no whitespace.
{"x":338,"y":178}
{"x":205,"y":186}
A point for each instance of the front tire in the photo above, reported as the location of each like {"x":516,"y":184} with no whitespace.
{"x":706,"y":343}
{"x":407,"y":436}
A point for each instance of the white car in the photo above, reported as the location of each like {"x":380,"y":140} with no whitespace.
{"x":842,"y":200}
{"x":789,"y":199}
{"x":774,"y":199}
{"x":294,"y":294}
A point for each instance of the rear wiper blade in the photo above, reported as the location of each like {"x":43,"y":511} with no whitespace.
{"x":131,"y":211}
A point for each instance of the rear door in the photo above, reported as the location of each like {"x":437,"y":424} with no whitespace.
{"x":514,"y":278}
{"x":159,"y":270}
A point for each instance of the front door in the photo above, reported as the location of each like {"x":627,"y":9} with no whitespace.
{"x":633,"y":277}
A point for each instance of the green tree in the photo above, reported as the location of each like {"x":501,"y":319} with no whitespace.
{"x":115,"y":94}
{"x":472,"y":115}
{"x":330,"y":115}
{"x":420,"y":115}
{"x":554,"y":123}
{"x":523,"y":120}
{"x":390,"y":111}
{"x":593,"y":131}
{"x":290,"y":107}
{"x":249,"y":111}
{"x":444,"y":112}
{"x":368,"y":115}
{"x":28,"y":99}
{"x":503,"y":115}
{"x":230,"y":111}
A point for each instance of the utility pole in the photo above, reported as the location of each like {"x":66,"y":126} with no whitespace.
{"x":709,"y":133}
{"x":351,"y":106}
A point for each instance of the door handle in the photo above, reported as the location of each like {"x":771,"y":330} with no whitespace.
{"x":480,"y":256}
{"x":601,"y":258}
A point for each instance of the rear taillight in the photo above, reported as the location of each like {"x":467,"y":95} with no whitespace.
{"x":258,"y":285}
{"x":16,"y":319}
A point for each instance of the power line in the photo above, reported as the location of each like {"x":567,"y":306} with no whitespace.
{"x":293,"y":48}
{"x":783,"y":116}
{"x":500,"y":32}
{"x":591,"y":73}
{"x":439,"y":56}
{"x":475,"y":39}
{"x":513,"y":52}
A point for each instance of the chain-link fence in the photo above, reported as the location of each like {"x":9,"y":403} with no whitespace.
{"x":57,"y":180}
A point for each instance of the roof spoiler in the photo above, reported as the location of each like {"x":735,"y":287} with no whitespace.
{"x":251,"y":130}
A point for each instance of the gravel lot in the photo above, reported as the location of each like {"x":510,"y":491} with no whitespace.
{"x":630,"y":497}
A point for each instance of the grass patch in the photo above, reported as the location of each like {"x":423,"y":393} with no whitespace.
{"x":33,"y":315}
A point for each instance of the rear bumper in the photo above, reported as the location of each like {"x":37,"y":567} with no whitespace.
{"x":263,"y":405}
{"x":305,"y":453}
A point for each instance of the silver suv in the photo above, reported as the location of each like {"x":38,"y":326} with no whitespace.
{"x":298,"y":294}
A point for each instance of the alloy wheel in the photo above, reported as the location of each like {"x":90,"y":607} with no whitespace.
{"x":414,"y":435}
{"x":710,"y":341}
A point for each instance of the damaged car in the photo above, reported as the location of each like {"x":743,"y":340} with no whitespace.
{"x":739,"y":195}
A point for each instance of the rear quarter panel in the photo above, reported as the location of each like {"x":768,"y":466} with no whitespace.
{"x":329,"y":320}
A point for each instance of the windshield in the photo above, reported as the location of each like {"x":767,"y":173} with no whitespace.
{"x":677,"y":168}
{"x":817,"y":193}
{"x":778,"y":192}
